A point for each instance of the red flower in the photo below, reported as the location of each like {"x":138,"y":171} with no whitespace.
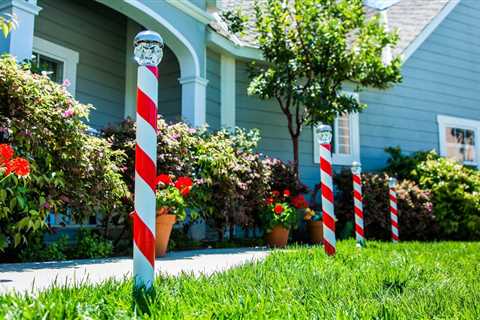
{"x":286,"y":193}
{"x":275,"y":193}
{"x":269,"y":201}
{"x":299,"y":202}
{"x":6,"y":153}
{"x":278,"y":209}
{"x":164,"y":179}
{"x":19,"y":166}
{"x":184,"y":184}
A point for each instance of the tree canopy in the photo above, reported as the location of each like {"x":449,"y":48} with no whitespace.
{"x":312,"y":48}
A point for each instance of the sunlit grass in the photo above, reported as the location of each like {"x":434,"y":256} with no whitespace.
{"x":383,"y":281}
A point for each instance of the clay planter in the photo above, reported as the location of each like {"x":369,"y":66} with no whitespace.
{"x":278,"y":237}
{"x":164,"y":225}
{"x":315,"y":230}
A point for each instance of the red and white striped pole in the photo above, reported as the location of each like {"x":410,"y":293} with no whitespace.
{"x":324,"y":133}
{"x":148,"y":54}
{"x":392,"y":182}
{"x":358,"y":203}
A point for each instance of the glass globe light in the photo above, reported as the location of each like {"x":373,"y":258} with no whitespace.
{"x":392,"y":182}
{"x":148,"y":48}
{"x":356,"y":168}
{"x":324,"y":133}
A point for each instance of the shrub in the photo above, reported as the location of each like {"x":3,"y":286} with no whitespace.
{"x":456,"y":197}
{"x":229,"y":177}
{"x":87,"y":244}
{"x":416,"y":219}
{"x":69,"y":167}
{"x":403,"y":166}
{"x":91,"y":245}
{"x":455,"y":191}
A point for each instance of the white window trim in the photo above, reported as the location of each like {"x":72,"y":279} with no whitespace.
{"x":69,"y":58}
{"x":343,"y":159}
{"x":447,"y":121}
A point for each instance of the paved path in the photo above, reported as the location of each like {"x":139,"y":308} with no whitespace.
{"x":23,"y":277}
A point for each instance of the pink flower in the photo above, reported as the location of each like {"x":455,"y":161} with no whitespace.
{"x":66,"y":83}
{"x":68,"y":113}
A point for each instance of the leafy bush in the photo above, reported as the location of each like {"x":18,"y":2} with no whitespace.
{"x":230,"y":178}
{"x":456,"y":197}
{"x":69,"y":167}
{"x":283,"y":177}
{"x":416,"y":219}
{"x":403,"y":166}
{"x":91,"y":245}
{"x":87,"y":244}
{"x":38,"y":251}
{"x":455,"y":190}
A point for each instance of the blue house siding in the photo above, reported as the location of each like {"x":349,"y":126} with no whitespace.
{"x":169,"y":89}
{"x":213,"y":89}
{"x":441,"y":77}
{"x":266,"y":115}
{"x":98,"y":35}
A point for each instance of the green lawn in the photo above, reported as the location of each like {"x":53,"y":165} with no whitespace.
{"x":383,"y":281}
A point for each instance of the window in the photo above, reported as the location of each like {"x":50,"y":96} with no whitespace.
{"x":345,"y":141}
{"x":458,"y":139}
{"x":52,"y":67}
{"x":59,"y":62}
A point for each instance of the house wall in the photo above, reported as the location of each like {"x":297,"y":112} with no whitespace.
{"x":169,"y":89}
{"x":98,"y":35}
{"x":441,"y":77}
{"x":213,"y":89}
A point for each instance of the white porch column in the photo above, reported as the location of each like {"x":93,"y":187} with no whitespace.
{"x":194,"y":98}
{"x":227,"y":91}
{"x":19,"y":43}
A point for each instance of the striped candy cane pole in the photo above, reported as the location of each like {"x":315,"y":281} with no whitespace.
{"x":392,"y":182}
{"x":357,"y":203}
{"x":325,"y":137}
{"x":148,"y":57}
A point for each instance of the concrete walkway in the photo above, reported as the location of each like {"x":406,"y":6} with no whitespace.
{"x":21,"y":277}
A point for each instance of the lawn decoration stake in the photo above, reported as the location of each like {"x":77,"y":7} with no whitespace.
{"x":392,"y":182}
{"x":324,"y":133}
{"x":148,"y":54}
{"x":358,"y":203}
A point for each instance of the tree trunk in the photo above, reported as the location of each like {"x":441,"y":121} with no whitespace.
{"x":296,"y":161}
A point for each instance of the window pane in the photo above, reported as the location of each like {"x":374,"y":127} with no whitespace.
{"x":52,"y":67}
{"x":343,"y":135}
{"x":460,"y":144}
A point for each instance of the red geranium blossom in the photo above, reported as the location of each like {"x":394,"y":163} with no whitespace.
{"x":278,"y":209}
{"x":269,"y":201}
{"x":19,"y":166}
{"x":299,"y":202}
{"x":165,"y":179}
{"x":184,"y":184}
{"x":275,"y":193}
{"x":286,"y":193}
{"x":6,"y":153}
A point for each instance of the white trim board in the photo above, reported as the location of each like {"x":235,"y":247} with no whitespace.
{"x":227,"y":91}
{"x":428,"y":30}
{"x":69,"y":58}
{"x":192,"y":10}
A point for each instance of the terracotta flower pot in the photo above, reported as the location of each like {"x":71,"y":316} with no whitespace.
{"x":278,"y":237}
{"x":315,"y":230}
{"x":164,"y":225}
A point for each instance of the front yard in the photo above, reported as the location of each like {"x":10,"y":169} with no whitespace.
{"x":404,"y":281}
